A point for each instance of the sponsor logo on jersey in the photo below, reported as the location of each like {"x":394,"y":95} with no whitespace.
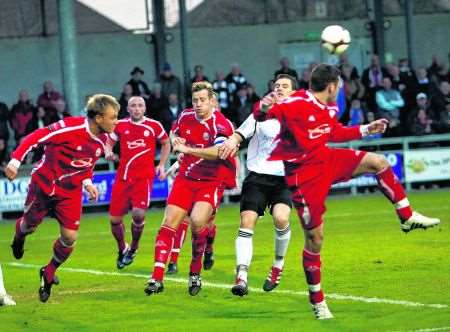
{"x":79,"y":148}
{"x":312,"y":118}
{"x":98,"y":152}
{"x":332,"y":113}
{"x":136,"y":144}
{"x":146,"y":133}
{"x":127,"y":132}
{"x":188,"y":132}
{"x":319,"y":131}
{"x":81,"y":163}
{"x":206,"y":136}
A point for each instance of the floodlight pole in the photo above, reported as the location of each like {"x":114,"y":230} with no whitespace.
{"x":159,"y":35}
{"x":68,"y":54}
{"x":410,"y":33}
{"x":185,"y":54}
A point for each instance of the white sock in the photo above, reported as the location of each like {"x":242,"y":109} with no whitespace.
{"x":282,"y":238}
{"x":244,"y":251}
{"x":2,"y":286}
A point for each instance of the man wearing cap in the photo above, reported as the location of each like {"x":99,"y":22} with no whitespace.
{"x":140,"y":88}
{"x":170,"y":84}
{"x":420,"y":122}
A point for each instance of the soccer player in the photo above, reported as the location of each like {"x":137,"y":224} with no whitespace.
{"x":263,"y":187}
{"x":197,"y":133}
{"x":308,"y":123}
{"x":133,"y":184}
{"x":5,"y":299}
{"x":72,"y":147}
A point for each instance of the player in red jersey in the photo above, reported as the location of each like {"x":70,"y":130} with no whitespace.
{"x":72,"y":147}
{"x":308,"y":122}
{"x":133,"y":184}
{"x":197,"y":134}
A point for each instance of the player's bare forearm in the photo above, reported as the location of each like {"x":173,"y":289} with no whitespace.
{"x":165,"y":152}
{"x":209,"y":153}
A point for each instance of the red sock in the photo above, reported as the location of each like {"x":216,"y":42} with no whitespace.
{"x":163,"y":246}
{"x":211,"y":236}
{"x":311,"y":266}
{"x":180,"y":236}
{"x":137,"y":227}
{"x":198,"y":248}
{"x":391,"y":187}
{"x":61,"y":253}
{"x":118,"y":231}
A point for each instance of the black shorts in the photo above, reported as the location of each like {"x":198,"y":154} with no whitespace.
{"x":262,"y":190}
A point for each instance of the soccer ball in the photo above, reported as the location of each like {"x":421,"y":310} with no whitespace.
{"x":335,"y":39}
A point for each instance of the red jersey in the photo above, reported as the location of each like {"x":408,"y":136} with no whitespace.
{"x":71,"y":151}
{"x":137,"y":147}
{"x":201,"y":134}
{"x":307,"y":126}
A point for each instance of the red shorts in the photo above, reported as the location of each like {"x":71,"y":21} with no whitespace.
{"x":186,"y":192}
{"x":311,"y":182}
{"x":67,"y":210}
{"x":132,"y":193}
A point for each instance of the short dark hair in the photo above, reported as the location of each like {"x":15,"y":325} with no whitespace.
{"x":288,"y":77}
{"x":322,"y":75}
{"x":96,"y":104}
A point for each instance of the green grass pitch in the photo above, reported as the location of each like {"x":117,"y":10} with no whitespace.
{"x":376,"y":277}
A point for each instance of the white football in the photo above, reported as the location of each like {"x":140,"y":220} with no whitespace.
{"x":335,"y":39}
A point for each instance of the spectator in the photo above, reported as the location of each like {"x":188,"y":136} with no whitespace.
{"x":285,"y":69}
{"x":389,"y":102}
{"x":220,"y":87}
{"x":170,"y":83}
{"x":4,"y":118}
{"x":61,"y":109}
{"x":199,"y":74}
{"x":175,"y":107}
{"x":4,"y":134}
{"x":139,"y":87}
{"x":421,"y":124}
{"x":440,"y":104}
{"x":372,"y":79}
{"x":46,"y":103}
{"x":235,"y":79}
{"x":241,"y":107}
{"x":356,"y":114}
{"x":23,"y":117}
{"x":303,"y":83}
{"x":251,"y":94}
{"x":344,"y":64}
{"x":423,"y":83}
{"x":158,"y":106}
{"x":3,"y":153}
{"x":415,"y":121}
{"x":127,"y":93}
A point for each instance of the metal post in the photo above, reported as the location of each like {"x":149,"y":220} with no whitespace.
{"x":185,"y":52}
{"x":159,"y":40}
{"x":379,"y":29}
{"x":68,"y":54}
{"x":410,"y":33}
{"x":43,"y":19}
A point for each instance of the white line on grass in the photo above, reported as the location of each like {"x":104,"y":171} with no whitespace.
{"x":432,"y":329}
{"x":255,"y":290}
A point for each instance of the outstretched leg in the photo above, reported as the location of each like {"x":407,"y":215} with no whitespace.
{"x":391,"y":187}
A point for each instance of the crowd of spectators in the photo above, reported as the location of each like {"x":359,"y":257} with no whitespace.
{"x":416,"y":101}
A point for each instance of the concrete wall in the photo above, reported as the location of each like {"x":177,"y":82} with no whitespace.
{"x":106,"y":59}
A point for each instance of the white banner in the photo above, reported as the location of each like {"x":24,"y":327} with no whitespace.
{"x":427,"y":165}
{"x":13,"y":194}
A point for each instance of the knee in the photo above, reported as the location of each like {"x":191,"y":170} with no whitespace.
{"x":248,"y":222}
{"x":138,"y":216}
{"x":115,"y":220}
{"x":68,"y":240}
{"x":379,"y":162}
{"x":281,"y":222}
{"x":314,"y":241}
